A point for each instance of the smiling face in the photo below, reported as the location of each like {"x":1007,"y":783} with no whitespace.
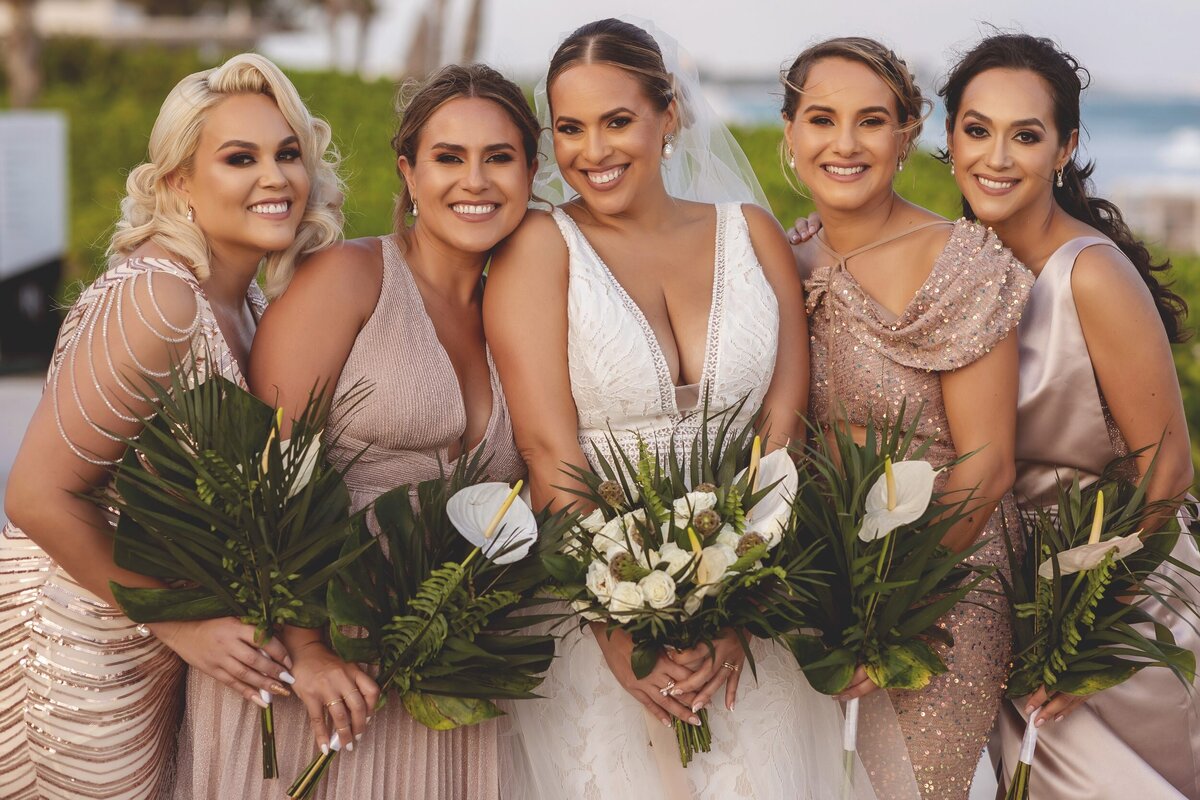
{"x":608,"y":136}
{"x":469,"y":175}
{"x":247,"y":186}
{"x":845,"y":136}
{"x":1005,"y":145}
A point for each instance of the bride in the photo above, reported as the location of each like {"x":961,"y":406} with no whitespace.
{"x":621,"y":309}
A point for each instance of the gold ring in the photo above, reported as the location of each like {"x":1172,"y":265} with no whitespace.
{"x":332,"y":703}
{"x":666,"y":690}
{"x":730,"y":667}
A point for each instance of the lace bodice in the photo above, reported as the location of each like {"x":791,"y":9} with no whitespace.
{"x":619,"y":376}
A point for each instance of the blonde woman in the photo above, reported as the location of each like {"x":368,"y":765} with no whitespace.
{"x":240,"y":179}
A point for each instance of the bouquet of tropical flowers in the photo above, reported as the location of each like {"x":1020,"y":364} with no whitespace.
{"x":1078,"y":595}
{"x":678,"y":551}
{"x":871,"y":512}
{"x":238,"y":521}
{"x":433,"y":610}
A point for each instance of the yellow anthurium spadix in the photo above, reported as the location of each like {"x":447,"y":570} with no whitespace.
{"x":493,"y":518}
{"x":770,"y":515}
{"x":1088,"y":556}
{"x":899,"y":496}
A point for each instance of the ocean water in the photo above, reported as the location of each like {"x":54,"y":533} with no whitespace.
{"x":1137,"y":141}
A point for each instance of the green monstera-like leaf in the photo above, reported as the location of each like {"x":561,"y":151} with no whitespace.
{"x":441,"y":713}
{"x":908,"y":665}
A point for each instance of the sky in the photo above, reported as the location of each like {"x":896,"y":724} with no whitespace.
{"x":1148,"y":46}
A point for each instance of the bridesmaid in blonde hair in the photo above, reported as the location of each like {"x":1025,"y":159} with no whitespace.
{"x":240,"y":181}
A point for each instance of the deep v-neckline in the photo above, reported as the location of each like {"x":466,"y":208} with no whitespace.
{"x":426,"y":322}
{"x":668,"y":389}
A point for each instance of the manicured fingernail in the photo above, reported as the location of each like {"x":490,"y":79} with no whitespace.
{"x":666,"y":722}
{"x":794,"y":238}
{"x":324,"y":749}
{"x":349,"y":747}
{"x":1029,"y":709}
{"x":697,"y":707}
{"x":1040,"y":722}
{"x":263,"y":700}
{"x":280,"y":689}
{"x":358,"y":737}
{"x":732,"y":705}
{"x":676,"y":692}
{"x":335,"y":742}
{"x":369,"y":720}
{"x":694,"y":720}
{"x":286,"y":677}
{"x":1059,"y":718}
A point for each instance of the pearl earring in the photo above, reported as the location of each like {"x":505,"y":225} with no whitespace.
{"x":1059,"y":181}
{"x":791,"y":159}
{"x":900,"y":165}
{"x":668,"y":148}
{"x":191,"y":214}
{"x":951,"y":166}
{"x":414,"y":211}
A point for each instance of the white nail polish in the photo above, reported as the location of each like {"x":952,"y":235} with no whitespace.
{"x":697,"y":707}
{"x":335,"y":742}
{"x":349,"y":747}
{"x":286,"y":677}
{"x":265,"y":695}
{"x":358,"y":737}
{"x":324,"y":749}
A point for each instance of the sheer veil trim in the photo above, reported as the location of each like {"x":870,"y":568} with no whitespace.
{"x":708,"y":165}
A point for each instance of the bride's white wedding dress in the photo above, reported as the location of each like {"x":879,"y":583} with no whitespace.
{"x":589,"y":739}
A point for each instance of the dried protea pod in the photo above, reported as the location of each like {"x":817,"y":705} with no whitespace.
{"x":611,"y":493}
{"x":707,"y":522}
{"x":748,"y":543}
{"x":624,"y":567}
{"x":706,"y":487}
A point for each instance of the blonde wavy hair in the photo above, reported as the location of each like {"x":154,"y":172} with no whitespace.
{"x":153,"y":212}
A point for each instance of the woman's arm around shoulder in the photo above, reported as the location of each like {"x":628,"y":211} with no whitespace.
{"x":787,"y":396}
{"x":1132,"y":359}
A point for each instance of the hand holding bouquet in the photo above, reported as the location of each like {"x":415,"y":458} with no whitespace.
{"x":677,"y":553}
{"x":1077,"y":595}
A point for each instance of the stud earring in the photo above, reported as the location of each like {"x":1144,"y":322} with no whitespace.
{"x":1059,"y":180}
{"x":668,"y":148}
{"x":191,"y":214}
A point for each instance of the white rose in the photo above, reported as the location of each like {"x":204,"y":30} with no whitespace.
{"x":715,"y":561}
{"x":593,"y":522}
{"x":728,"y":537}
{"x":691,"y":504}
{"x":599,"y":581}
{"x":626,"y":596}
{"x":658,"y":589}
{"x":583,"y":608}
{"x":676,"y":557}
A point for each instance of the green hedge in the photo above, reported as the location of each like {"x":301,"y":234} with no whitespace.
{"x":111,"y":97}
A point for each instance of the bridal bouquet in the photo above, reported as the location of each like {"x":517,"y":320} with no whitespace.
{"x":1078,"y":594}
{"x":877,"y":523}
{"x":677,"y":552}
{"x":237,"y":520}
{"x":433,"y":610}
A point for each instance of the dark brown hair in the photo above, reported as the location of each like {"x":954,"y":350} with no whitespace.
{"x":1066,"y":80}
{"x":416,"y":103}
{"x":911,"y":105}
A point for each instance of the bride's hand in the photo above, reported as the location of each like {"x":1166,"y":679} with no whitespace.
{"x":658,"y":691}
{"x":860,"y":686}
{"x":711,"y":668}
{"x":225,"y":649}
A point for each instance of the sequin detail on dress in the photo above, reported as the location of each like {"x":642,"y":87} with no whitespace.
{"x":89,"y":706}
{"x":865,"y":365}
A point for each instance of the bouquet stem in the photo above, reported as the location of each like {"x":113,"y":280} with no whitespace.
{"x":1018,"y":787}
{"x":266,"y":718}
{"x":693,"y":739}
{"x":311,"y":776}
{"x":849,"y":748}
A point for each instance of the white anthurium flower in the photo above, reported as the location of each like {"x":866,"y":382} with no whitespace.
{"x":493,"y":518}
{"x":1088,"y":556}
{"x":715,"y":561}
{"x":692,"y":504}
{"x":770,"y":515}
{"x":899,"y":496}
{"x":593,"y":522}
{"x":658,"y":588}
{"x":600,"y":581}
{"x":308,"y":463}
{"x":626,"y":596}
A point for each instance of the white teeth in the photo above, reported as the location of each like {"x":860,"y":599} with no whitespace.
{"x":465,"y":208}
{"x":995,"y":184}
{"x":844,"y":170}
{"x":269,"y":208}
{"x":605,"y":177}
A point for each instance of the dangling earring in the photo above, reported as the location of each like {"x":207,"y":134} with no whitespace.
{"x":1058,"y":181}
{"x":900,"y":165}
{"x":414,"y":212}
{"x":791,"y":158}
{"x":191,"y":214}
{"x":668,"y":149}
{"x":951,"y":165}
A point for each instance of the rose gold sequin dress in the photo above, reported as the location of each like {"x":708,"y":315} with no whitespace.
{"x":866,"y":362}
{"x":411,"y":419}
{"x":1142,"y":737}
{"x":89,"y":707}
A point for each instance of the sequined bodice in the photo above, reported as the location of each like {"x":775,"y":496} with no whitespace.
{"x":866,"y":365}
{"x":620,"y":379}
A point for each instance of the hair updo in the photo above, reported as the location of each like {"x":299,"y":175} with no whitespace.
{"x":417,"y":102}
{"x":911,"y":105}
{"x":154,"y":212}
{"x":628,"y":47}
{"x":1066,"y":80}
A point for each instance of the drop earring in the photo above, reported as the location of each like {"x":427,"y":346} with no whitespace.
{"x":191,"y":214}
{"x":1059,"y":180}
{"x":952,"y":165}
{"x":900,"y":165}
{"x":668,"y":148}
{"x":414,"y":211}
{"x":791,"y":159}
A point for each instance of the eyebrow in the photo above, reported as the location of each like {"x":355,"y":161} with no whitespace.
{"x":1029,"y":122}
{"x":861,"y":111}
{"x":241,"y":145}
{"x":606,"y":115}
{"x":458,"y":148}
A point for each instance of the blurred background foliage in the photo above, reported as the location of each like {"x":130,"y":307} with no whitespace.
{"x":111,"y":97}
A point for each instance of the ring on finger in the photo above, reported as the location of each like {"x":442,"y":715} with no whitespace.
{"x":730,"y":666}
{"x":333,"y":703}
{"x":666,"y":690}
